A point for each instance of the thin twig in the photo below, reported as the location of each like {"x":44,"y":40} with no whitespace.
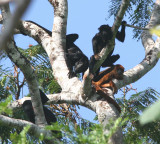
{"x":128,"y":25}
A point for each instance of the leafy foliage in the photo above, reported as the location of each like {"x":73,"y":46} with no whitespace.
{"x":4,"y":106}
{"x":132,"y":108}
{"x":139,"y":13}
{"x":90,"y":134}
{"x":21,"y":137}
{"x":40,"y":62}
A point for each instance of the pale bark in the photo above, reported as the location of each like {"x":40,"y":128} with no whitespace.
{"x":73,"y":90}
{"x":24,"y":65}
{"x":152,"y":48}
{"x":13,"y":53}
{"x":33,"y":130}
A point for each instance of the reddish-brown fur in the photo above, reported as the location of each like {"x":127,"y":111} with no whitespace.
{"x":104,"y":79}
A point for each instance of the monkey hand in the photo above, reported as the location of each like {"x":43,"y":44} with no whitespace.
{"x":71,"y":75}
{"x":123,"y":23}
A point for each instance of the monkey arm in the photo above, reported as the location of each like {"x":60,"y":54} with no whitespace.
{"x":111,"y":85}
{"x":72,"y":37}
{"x":121,"y":35}
{"x":104,"y":79}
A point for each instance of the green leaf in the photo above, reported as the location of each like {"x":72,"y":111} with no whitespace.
{"x":3,"y":80}
{"x":4,"y":105}
{"x":20,"y":138}
{"x":150,"y":114}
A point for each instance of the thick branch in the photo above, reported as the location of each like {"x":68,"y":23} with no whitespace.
{"x":56,"y":48}
{"x":34,"y":129}
{"x":24,"y":65}
{"x":2,"y":2}
{"x":105,"y":51}
{"x":35,"y":31}
{"x":105,"y":110}
{"x":119,"y":16}
{"x":141,"y":69}
{"x":151,"y":51}
{"x":29,"y":74}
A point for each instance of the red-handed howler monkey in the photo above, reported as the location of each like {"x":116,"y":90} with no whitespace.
{"x":100,"y":40}
{"x":104,"y":80}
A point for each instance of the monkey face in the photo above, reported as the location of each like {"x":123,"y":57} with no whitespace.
{"x":120,"y":71}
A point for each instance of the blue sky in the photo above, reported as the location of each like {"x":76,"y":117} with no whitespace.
{"x":84,"y":18}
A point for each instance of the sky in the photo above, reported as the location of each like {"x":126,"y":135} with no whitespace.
{"x":84,"y":18}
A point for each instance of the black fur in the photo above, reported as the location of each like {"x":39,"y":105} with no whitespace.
{"x":50,"y":117}
{"x":76,"y":60}
{"x":28,"y":109}
{"x":100,"y":40}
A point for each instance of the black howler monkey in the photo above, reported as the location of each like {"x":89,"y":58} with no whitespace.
{"x":76,"y":60}
{"x":100,"y":40}
{"x":50,"y":117}
{"x":28,"y":109}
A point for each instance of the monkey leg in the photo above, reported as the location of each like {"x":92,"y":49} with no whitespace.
{"x":92,"y":62}
{"x":96,"y":86}
{"x":110,"y":84}
{"x":110,"y":60}
{"x":81,"y":65}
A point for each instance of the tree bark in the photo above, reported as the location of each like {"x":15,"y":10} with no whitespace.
{"x":79,"y":92}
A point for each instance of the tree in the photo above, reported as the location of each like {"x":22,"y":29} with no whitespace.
{"x":73,"y":90}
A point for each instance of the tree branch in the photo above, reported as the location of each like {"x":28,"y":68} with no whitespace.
{"x":2,"y":2}
{"x":136,"y":27}
{"x":56,"y":48}
{"x":108,"y":48}
{"x":35,"y":31}
{"x":63,"y":97}
{"x":105,"y":110}
{"x":151,"y":51}
{"x":16,"y":57}
{"x":33,"y":130}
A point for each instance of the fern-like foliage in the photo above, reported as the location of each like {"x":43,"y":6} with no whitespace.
{"x":132,"y":108}
{"x":41,"y":64}
{"x":138,"y":12}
